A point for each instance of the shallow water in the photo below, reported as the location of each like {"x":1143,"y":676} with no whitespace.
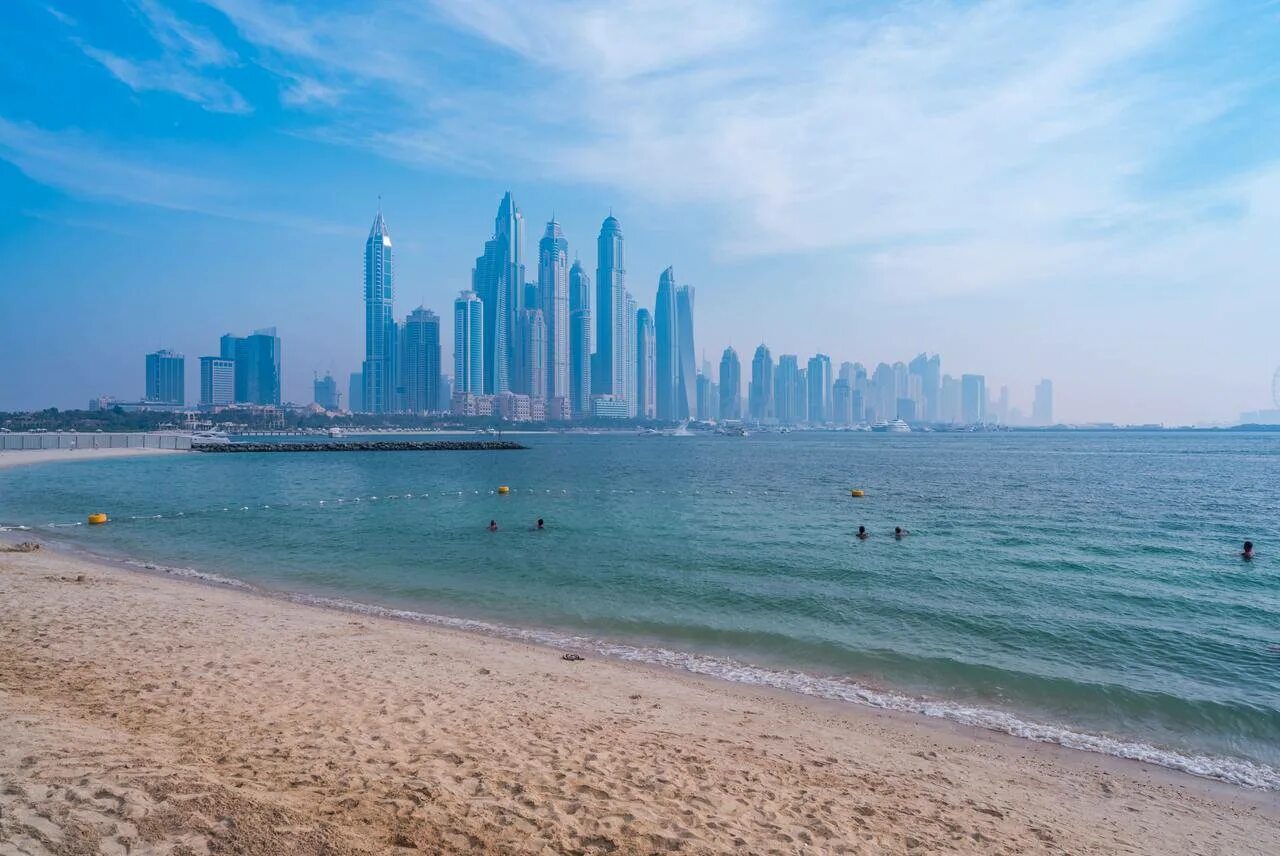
{"x":1083,"y":588}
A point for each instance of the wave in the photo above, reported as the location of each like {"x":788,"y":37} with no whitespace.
{"x":1235,"y":771}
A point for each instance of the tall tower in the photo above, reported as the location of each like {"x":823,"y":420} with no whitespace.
{"x":498,"y":280}
{"x":553,"y":293}
{"x":819,"y":376}
{"x":379,"y":321}
{"x":580,"y":362}
{"x":666,"y":349}
{"x":628,"y":353}
{"x":420,"y":360}
{"x":608,"y":375}
{"x":468,"y":344}
{"x":687,"y":401}
{"x":730,"y":385}
{"x":646,"y":390}
{"x":761,"y":396}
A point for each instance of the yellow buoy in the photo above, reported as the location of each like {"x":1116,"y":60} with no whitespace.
{"x":97,"y":518}
{"x":855,"y":493}
{"x":504,"y":490}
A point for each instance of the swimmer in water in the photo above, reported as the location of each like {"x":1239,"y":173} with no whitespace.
{"x":900,"y":533}
{"x":540,"y":526}
{"x":1247,"y":553}
{"x":493,"y":526}
{"x":863,"y":534}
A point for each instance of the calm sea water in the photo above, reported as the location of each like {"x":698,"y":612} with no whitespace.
{"x":1082,"y":588}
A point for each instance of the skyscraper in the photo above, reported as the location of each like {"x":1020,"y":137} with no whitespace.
{"x":166,"y":378}
{"x":973,"y":399}
{"x":789,"y":394}
{"x":884,"y":393}
{"x":529,"y":375}
{"x":498,"y":280}
{"x":629,"y":351}
{"x":379,"y":321}
{"x":257,"y":365}
{"x":842,"y":399}
{"x":949,"y":400}
{"x":687,"y":399}
{"x":355,"y":393}
{"x":761,"y":395}
{"x":819,"y":378}
{"x":580,"y":362}
{"x":609,"y":370}
{"x":646,"y":365}
{"x":553,"y":293}
{"x":420,"y":360}
{"x":579,"y":289}
{"x":730,"y":385}
{"x":326,"y":391}
{"x":217,"y":381}
{"x":468,"y":344}
{"x":1042,"y":404}
{"x":667,"y":349}
{"x":929,"y":371}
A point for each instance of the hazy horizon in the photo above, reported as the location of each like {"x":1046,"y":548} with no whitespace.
{"x":1072,"y":191}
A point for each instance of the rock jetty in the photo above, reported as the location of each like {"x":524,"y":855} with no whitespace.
{"x":367,"y":446}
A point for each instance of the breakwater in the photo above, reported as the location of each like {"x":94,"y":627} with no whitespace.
{"x":368,"y":446}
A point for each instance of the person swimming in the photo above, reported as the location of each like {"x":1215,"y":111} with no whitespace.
{"x":540,"y":525}
{"x":493,"y":526}
{"x":863,"y":534}
{"x":900,"y":533}
{"x":1247,"y":553}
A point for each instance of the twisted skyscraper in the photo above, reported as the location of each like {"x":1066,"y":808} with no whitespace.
{"x":498,"y":280}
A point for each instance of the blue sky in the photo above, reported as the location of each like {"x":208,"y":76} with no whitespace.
{"x":1087,"y":191}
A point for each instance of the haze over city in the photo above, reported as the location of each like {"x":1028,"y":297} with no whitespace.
{"x":1075,"y":191}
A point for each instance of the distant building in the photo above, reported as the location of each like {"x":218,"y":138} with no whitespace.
{"x":512,"y":407}
{"x":973,"y":399}
{"x":949,"y":401}
{"x":380,"y":351}
{"x":529,"y":371}
{"x":419,"y":361}
{"x":842,"y":398}
{"x":789,"y":395}
{"x":498,"y":280}
{"x":646,"y":358}
{"x":666,"y":348}
{"x":609,"y":407}
{"x":326,"y":392}
{"x":1042,"y":404}
{"x":819,"y":377}
{"x":708,"y":394}
{"x":760,"y":397}
{"x":553,"y":288}
{"x":257,"y":359}
{"x":445,"y":395}
{"x":580,"y":361}
{"x":687,"y":397}
{"x":355,"y":393}
{"x":730,"y":385}
{"x":629,"y":352}
{"x":217,"y":382}
{"x":468,"y":345}
{"x":166,"y":378}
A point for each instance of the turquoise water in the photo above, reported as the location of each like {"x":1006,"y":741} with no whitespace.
{"x":1083,"y":588}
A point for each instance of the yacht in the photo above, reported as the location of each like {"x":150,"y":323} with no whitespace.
{"x":210,"y":438}
{"x":897,"y":426}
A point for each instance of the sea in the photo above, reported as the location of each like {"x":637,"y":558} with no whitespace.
{"x":1079,"y":588}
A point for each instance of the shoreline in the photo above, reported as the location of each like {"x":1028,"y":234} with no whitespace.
{"x":21,"y":457}
{"x":796,"y":744}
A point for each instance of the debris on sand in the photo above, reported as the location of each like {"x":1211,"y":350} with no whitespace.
{"x":23,"y":547}
{"x":571,"y":657}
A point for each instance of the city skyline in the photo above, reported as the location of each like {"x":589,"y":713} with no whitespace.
{"x":202,"y":130}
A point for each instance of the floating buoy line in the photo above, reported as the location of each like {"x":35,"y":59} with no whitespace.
{"x":98,"y":518}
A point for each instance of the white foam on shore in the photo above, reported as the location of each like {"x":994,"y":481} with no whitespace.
{"x":191,"y":574}
{"x":1236,"y":771}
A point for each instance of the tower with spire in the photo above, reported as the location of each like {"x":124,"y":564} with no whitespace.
{"x":379,"y":320}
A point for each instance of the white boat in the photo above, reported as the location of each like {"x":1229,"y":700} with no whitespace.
{"x":897,"y":426}
{"x":210,"y":438}
{"x":335,"y":432}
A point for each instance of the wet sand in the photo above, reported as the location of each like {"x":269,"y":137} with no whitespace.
{"x":144,"y":714}
{"x":19,"y":457}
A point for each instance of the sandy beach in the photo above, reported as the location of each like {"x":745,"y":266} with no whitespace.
{"x":20,"y":457}
{"x":145,"y":714}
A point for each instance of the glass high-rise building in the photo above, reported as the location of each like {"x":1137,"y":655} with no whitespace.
{"x":579,"y":289}
{"x":608,"y":373}
{"x":553,"y":292}
{"x":325,"y":391}
{"x":468,"y":344}
{"x":730,"y":385}
{"x":529,"y":376}
{"x":666,"y":348}
{"x":420,"y":360}
{"x":973,"y":399}
{"x":217,"y":381}
{"x":1042,"y":404}
{"x":166,"y":378}
{"x":257,"y":365}
{"x":760,"y":397}
{"x":789,"y":394}
{"x":379,"y":369}
{"x":580,"y":362}
{"x":355,"y":392}
{"x":819,"y":377}
{"x":498,"y":280}
{"x":628,"y":354}
{"x":687,"y":376}
{"x":646,"y":365}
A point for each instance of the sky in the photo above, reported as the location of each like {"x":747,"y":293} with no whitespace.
{"x":1084,"y":191}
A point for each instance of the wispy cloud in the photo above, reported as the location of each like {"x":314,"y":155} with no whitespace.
{"x":189,"y":59}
